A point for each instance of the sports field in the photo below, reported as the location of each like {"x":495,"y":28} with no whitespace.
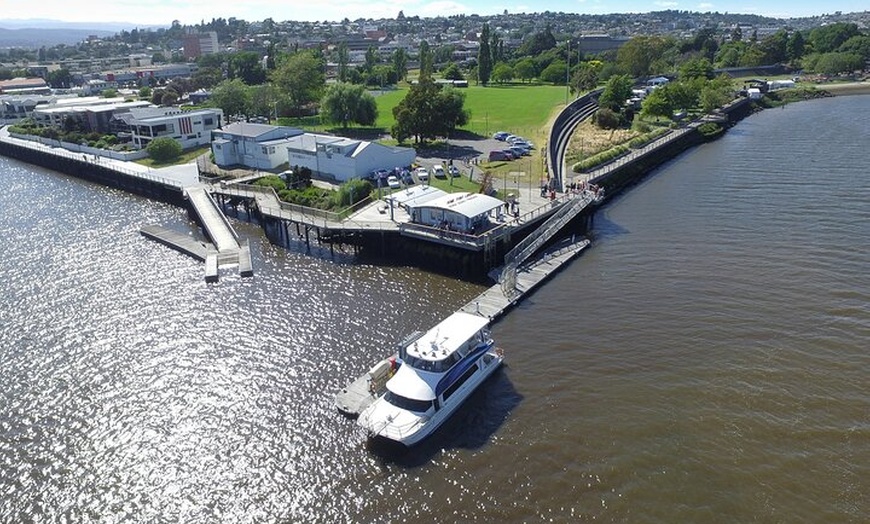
{"x":517,"y":108}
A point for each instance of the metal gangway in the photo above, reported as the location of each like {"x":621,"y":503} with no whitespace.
{"x":227,"y":249}
{"x":529,"y":245}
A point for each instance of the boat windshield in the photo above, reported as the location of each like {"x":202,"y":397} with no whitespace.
{"x":417,"y":406}
{"x":435,"y":366}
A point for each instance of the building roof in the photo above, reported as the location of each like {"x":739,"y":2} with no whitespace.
{"x":415,"y":196}
{"x":93,"y":108}
{"x":249,"y":130}
{"x":466,"y":204}
{"x":22,"y":83}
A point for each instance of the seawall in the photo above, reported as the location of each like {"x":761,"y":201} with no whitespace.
{"x":88,"y":168}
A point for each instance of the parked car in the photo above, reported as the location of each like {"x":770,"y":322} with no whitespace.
{"x":438,"y":172}
{"x":453,"y":170}
{"x":498,"y":155}
{"x":524,"y":143}
{"x":509,"y":154}
{"x":513,"y":138}
{"x":519,"y":151}
{"x":501,"y":135}
{"x":406,"y":177}
{"x":393,"y":182}
{"x":422,"y":174}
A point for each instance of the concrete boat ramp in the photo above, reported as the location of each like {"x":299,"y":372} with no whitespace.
{"x":224,"y":250}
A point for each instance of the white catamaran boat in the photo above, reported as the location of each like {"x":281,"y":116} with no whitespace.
{"x":436,"y":373}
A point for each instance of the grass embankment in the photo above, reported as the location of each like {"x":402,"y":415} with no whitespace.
{"x":186,"y":157}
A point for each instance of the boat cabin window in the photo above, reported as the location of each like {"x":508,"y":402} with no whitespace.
{"x":460,"y":381}
{"x":417,"y":406}
{"x":434,"y":366}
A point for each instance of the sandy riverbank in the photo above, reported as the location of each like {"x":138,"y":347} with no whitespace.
{"x":851,"y":88}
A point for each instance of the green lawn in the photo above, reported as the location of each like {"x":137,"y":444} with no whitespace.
{"x":519,"y":108}
{"x":188,"y":155}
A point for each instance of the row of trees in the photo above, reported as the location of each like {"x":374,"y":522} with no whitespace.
{"x":652,"y":55}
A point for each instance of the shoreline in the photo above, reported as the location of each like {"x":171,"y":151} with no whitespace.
{"x":845,"y":89}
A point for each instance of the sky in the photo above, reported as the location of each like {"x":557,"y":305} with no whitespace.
{"x":163,"y":12}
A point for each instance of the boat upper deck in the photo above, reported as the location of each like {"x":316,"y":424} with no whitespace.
{"x":450,"y":335}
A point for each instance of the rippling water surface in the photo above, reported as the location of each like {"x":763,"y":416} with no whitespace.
{"x":705,"y":361}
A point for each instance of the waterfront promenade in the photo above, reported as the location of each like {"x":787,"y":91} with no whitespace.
{"x":180,"y":176}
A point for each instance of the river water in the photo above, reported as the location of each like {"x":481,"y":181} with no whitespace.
{"x":705,"y":361}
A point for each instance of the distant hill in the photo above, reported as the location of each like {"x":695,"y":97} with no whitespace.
{"x":35,"y":38}
{"x":35,"y":33}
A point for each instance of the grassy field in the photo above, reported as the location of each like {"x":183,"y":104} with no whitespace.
{"x":518,"y":108}
{"x":186,"y":156}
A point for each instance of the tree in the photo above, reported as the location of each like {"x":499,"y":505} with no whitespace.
{"x":859,"y":45}
{"x":555,"y":72}
{"x":834,"y":63}
{"x":207,"y":77}
{"x":300,"y":78}
{"x":452,"y":72}
{"x":716,"y":93}
{"x":60,"y":78}
{"x":616,"y":92}
{"x":585,"y":77}
{"x":371,"y":58}
{"x":163,"y":149}
{"x":775,"y":47}
{"x":246,"y":66}
{"x":538,"y":43}
{"x":169,"y":98}
{"x":270,"y":57}
{"x":426,"y":64}
{"x":231,"y":96}
{"x":828,"y":38}
{"x":263,"y":100}
{"x":429,"y":111}
{"x":638,"y":54}
{"x":525,"y":69}
{"x":502,"y":73}
{"x":696,"y":68}
{"x":343,"y":59}
{"x":796,"y":46}
{"x":400,"y":63}
{"x":484,"y":56}
{"x":657,"y":103}
{"x":344,"y":103}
